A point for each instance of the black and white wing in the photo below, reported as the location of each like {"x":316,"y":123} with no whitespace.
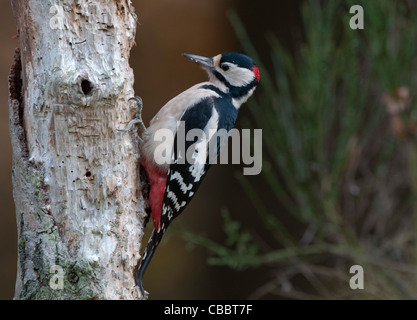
{"x":184,"y":176}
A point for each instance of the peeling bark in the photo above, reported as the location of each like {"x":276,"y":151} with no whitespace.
{"x":76,"y":181}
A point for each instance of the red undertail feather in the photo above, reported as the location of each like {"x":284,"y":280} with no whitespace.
{"x":157,"y":181}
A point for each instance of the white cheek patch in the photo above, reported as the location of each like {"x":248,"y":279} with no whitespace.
{"x":240,"y":77}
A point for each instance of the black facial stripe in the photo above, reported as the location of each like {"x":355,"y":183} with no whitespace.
{"x":239,"y":92}
{"x":213,"y":88}
{"x":221,"y":78}
{"x":236,"y":92}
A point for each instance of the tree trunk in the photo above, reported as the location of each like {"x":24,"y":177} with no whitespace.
{"x":76,"y":182}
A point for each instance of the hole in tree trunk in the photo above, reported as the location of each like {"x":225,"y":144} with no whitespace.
{"x":86,"y":87}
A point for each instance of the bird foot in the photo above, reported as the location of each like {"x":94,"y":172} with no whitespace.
{"x":138,"y":120}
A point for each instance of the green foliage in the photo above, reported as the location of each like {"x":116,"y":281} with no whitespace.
{"x":340,"y":165}
{"x":238,"y":252}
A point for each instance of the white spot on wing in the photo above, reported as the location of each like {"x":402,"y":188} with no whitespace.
{"x":197,"y":171}
{"x":212,"y":124}
{"x":184,"y":187}
{"x":201,"y":149}
{"x":171,"y":195}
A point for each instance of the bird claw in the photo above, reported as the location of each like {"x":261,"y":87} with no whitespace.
{"x":138,"y":120}
{"x":139,"y":101}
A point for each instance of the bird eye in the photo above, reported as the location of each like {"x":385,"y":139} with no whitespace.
{"x":224,"y":67}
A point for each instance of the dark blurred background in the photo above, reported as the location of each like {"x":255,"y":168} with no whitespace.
{"x":339,"y":183}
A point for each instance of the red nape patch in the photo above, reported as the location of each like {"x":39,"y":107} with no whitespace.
{"x":256,"y":72}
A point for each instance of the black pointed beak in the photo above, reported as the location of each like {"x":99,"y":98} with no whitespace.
{"x":203,"y":61}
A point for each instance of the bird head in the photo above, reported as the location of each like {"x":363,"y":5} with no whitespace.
{"x":235,"y":71}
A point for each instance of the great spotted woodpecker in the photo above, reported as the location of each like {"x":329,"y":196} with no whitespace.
{"x":209,"y":106}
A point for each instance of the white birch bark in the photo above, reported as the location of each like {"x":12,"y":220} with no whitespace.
{"x":76,"y":179}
